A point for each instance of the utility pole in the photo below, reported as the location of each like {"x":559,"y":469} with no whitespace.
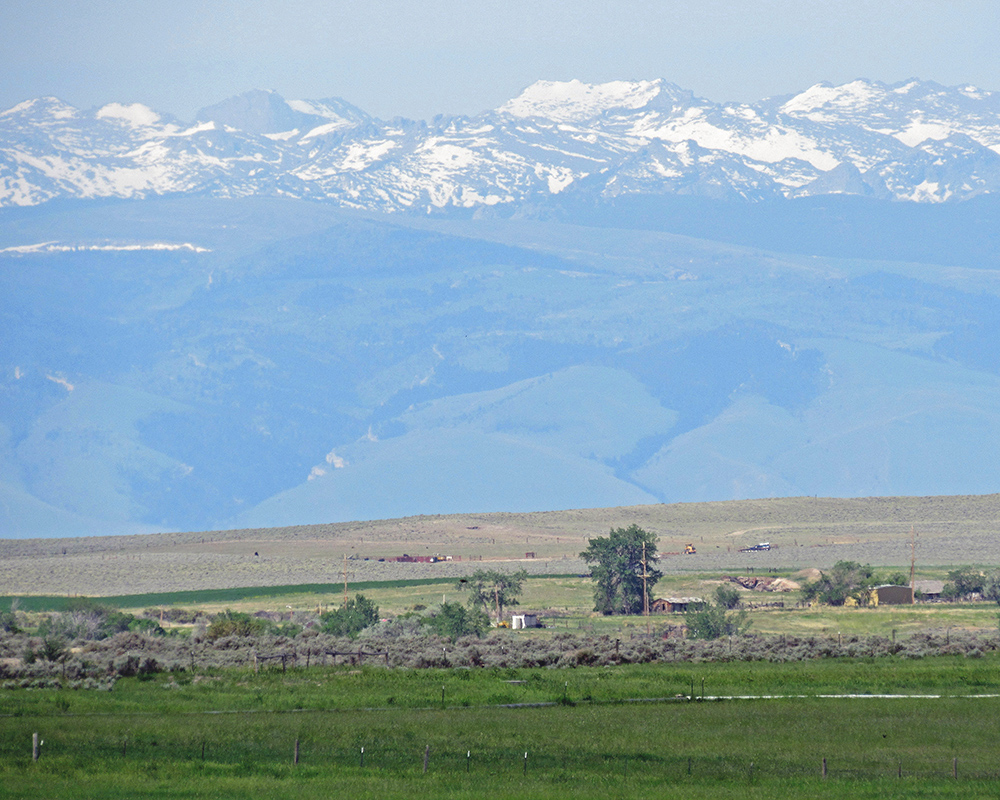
{"x":345,"y":580}
{"x":645,"y":593}
{"x":913,"y":565}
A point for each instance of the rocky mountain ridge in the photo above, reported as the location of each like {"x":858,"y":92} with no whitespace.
{"x":556,"y":142}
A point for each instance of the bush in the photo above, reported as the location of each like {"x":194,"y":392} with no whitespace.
{"x":351,"y":618}
{"x":727,"y":597}
{"x":8,"y":622}
{"x":86,"y":619}
{"x":235,"y":623}
{"x":846,"y":579}
{"x":712,"y":622}
{"x":453,"y":620}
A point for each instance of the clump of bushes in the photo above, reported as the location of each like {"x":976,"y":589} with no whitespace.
{"x":453,"y":621}
{"x":351,"y":618}
{"x":230,"y":623}
{"x":91,"y":621}
{"x":451,"y":635}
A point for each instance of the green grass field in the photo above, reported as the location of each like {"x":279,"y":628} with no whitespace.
{"x":568,"y":599}
{"x":233,"y":733}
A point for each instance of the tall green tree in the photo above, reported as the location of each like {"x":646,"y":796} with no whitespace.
{"x":492,"y":590}
{"x":616,"y":566}
{"x":991,"y":586}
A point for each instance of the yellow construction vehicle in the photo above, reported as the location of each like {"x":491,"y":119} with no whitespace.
{"x":689,"y":550}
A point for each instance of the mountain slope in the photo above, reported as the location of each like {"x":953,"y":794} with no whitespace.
{"x":194,"y":363}
{"x":556,"y":142}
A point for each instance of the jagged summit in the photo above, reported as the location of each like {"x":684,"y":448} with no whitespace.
{"x":912,"y":141}
{"x":257,"y":112}
{"x":41,"y":106}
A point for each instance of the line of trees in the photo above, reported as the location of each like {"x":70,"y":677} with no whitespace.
{"x":849,"y":580}
{"x":971,"y":581}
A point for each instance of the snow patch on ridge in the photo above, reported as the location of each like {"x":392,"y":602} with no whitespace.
{"x":566,"y":101}
{"x":329,"y":127}
{"x":57,"y":247}
{"x":361,"y":155}
{"x":773,"y":145}
{"x":55,"y":107}
{"x":136,"y":114}
{"x":856,"y":95}
{"x":919,"y":131}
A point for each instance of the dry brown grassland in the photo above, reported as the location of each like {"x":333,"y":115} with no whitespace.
{"x":804,"y":532}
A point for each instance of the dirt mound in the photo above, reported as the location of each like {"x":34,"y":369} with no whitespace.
{"x":763,"y":584}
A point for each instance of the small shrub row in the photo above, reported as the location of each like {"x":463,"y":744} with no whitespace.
{"x":444,"y":639}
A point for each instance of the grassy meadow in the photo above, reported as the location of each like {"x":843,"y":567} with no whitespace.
{"x":666,"y":728}
{"x":234,"y":733}
{"x":566,"y":604}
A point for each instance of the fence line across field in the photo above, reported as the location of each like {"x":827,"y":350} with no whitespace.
{"x":509,"y":760}
{"x":293,"y":656}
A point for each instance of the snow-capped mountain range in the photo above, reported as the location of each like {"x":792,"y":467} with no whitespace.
{"x":911,"y":141}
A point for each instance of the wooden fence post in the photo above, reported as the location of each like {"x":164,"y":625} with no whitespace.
{"x":824,"y":766}
{"x":954,"y":768}
{"x":296,"y":761}
{"x":427,"y":755}
{"x":34,"y":747}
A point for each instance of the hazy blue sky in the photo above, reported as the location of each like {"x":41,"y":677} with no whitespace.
{"x":418,"y":58}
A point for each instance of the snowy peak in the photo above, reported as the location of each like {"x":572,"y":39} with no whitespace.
{"x":333,"y":109}
{"x":824,"y":101}
{"x":575,"y":101}
{"x":256,"y":112}
{"x":911,"y":110}
{"x":135,"y":115}
{"x":912,"y":141}
{"x":40,"y":108}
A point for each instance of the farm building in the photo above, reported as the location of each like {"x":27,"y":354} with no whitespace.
{"x":675,"y":605}
{"x":929,"y":590}
{"x":890,"y":595}
{"x":518,"y":621}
